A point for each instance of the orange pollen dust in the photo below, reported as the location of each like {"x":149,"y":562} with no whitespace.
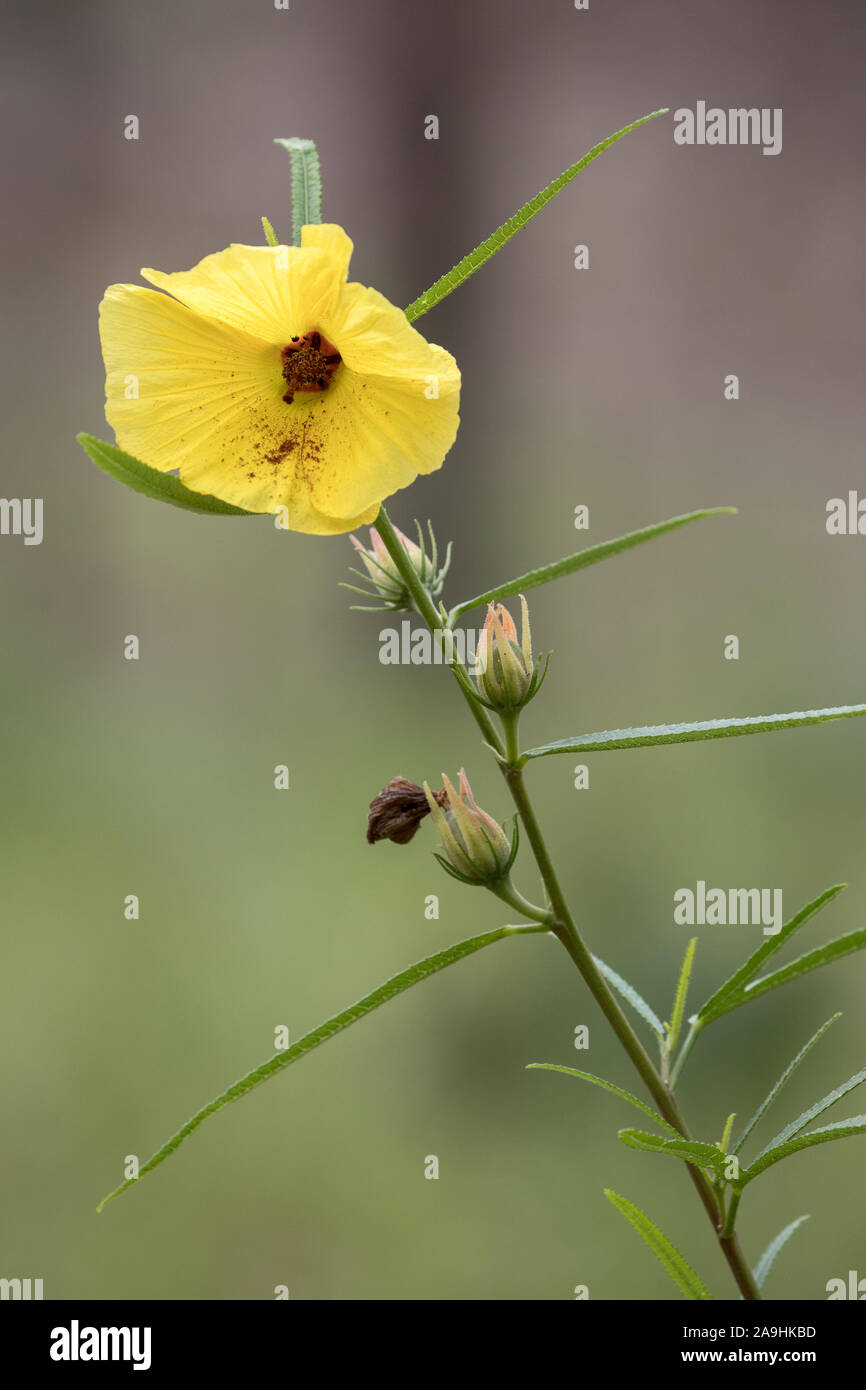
{"x":309,"y":363}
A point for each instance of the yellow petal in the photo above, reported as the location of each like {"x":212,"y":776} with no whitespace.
{"x":375,"y":337}
{"x":328,"y":237}
{"x":303,"y":516}
{"x":272,"y":292}
{"x":374,"y":435}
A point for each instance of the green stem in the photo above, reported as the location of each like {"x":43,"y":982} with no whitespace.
{"x":510,"y":721}
{"x":728,"y":1230}
{"x":566,"y":929}
{"x":561,"y":920}
{"x":426,"y":608}
{"x":730,"y":1243}
{"x":739,"y":1267}
{"x":691,"y":1038}
{"x":507,"y":893}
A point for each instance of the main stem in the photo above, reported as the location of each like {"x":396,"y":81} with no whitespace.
{"x":662,"y":1094}
{"x":563,"y":924}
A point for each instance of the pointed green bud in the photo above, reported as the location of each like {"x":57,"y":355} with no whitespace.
{"x":474,"y":844}
{"x":506,"y":673}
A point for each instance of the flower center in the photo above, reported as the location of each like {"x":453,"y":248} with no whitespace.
{"x":309,"y":362}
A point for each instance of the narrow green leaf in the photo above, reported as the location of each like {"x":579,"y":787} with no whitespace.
{"x":270,"y":235}
{"x":765,"y":1263}
{"x":813,"y":960}
{"x":630,"y":994}
{"x":582,"y":558}
{"x":476,"y":259}
{"x":306,"y":184}
{"x":733,"y":987}
{"x":814,"y":1111}
{"x":665,"y":1252}
{"x":162,"y":487}
{"x":691,"y":733}
{"x":724,"y":1142}
{"x":680,"y":996}
{"x":782,"y":1081}
{"x":691,"y":1150}
{"x":606,"y":1086}
{"x":842,"y":1129}
{"x":413,"y":975}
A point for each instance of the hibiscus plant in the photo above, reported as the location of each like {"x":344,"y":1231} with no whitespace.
{"x":263,"y":381}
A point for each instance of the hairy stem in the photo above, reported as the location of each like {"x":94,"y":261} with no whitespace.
{"x":561,"y":921}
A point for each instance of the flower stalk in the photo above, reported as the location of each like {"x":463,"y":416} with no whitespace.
{"x":561,"y":921}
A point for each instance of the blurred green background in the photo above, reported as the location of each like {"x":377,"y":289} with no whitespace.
{"x":155,"y":777}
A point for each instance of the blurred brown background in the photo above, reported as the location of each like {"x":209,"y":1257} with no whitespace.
{"x":258,"y":908}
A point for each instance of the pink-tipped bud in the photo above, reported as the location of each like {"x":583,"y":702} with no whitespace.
{"x":505,"y":668}
{"x":474,"y":844}
{"x":387,"y":581}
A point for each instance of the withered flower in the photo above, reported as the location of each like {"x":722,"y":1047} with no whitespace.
{"x":398,"y":810}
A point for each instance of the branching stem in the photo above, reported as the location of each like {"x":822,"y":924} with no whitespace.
{"x":564,"y":927}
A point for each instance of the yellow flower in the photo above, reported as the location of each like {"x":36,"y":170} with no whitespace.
{"x":269,"y":381}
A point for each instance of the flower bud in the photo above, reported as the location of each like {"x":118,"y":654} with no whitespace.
{"x":384,"y":575}
{"x":377,"y":561}
{"x":506,"y":674}
{"x":476,"y":847}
